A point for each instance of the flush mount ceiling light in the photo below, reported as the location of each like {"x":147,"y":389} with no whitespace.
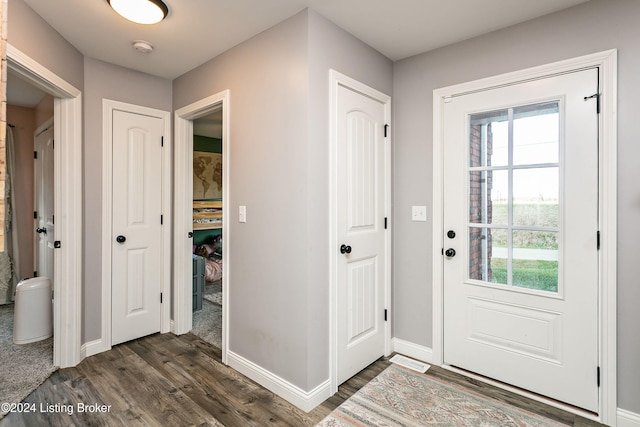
{"x":140,"y":11}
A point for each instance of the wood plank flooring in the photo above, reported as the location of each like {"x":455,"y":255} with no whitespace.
{"x":168,"y":380}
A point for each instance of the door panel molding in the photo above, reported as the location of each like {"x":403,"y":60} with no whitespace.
{"x":108,"y":107}
{"x":607,"y":63}
{"x":337,"y":80}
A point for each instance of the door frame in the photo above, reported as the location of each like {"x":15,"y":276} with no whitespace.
{"x":108,"y":106}
{"x":183,"y":213}
{"x":337,"y":79}
{"x":607,"y":286}
{"x":67,"y":107}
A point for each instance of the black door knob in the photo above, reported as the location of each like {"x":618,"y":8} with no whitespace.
{"x":190,"y":234}
{"x":344,"y":249}
{"x":121,"y":239}
{"x":451,"y":234}
{"x":41,"y":230}
{"x":450,"y":252}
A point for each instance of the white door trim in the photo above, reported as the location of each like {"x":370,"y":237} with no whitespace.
{"x":108,"y":106}
{"x":68,"y":203}
{"x":337,"y":79}
{"x":607,"y":62}
{"x":183,"y":202}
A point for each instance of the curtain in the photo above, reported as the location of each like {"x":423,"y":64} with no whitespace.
{"x":9,"y":260}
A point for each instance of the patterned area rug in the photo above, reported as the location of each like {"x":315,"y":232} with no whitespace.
{"x":401,"y":397}
{"x":215,"y":298}
{"x":22,"y":367}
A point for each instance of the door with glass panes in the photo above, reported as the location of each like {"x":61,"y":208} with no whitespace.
{"x":521,"y":219}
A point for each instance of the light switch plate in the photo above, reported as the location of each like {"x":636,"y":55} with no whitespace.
{"x":418,"y":213}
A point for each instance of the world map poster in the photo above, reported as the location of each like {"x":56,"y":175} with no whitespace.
{"x":207,"y":175}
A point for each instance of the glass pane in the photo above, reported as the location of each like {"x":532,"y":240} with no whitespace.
{"x":488,"y":191}
{"x":536,"y":130}
{"x":535,"y":197}
{"x":535,"y":260}
{"x":487,"y":254}
{"x":488,"y":139}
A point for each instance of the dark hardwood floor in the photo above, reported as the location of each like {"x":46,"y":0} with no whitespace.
{"x":168,"y":380}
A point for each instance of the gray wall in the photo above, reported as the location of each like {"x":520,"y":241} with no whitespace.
{"x":594,"y":26}
{"x":267,"y":79}
{"x":29,"y":33}
{"x":105,"y":81}
{"x":279,"y":162}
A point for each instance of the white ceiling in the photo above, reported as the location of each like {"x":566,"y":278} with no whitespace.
{"x":198,"y":30}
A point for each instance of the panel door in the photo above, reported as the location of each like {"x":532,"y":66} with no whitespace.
{"x":136,"y":229}
{"x":44,"y":207}
{"x":361,"y":195}
{"x":521,"y":222}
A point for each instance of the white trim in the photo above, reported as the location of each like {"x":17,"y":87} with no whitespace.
{"x":92,"y":347}
{"x":415,"y":351}
{"x":628,"y":418}
{"x":67,"y":109}
{"x":183,"y":214}
{"x":337,"y":79}
{"x":607,"y":62}
{"x":305,"y":400}
{"x":108,"y":106}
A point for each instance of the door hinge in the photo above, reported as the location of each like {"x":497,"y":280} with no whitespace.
{"x":386,"y":128}
{"x":385,"y":222}
{"x":35,"y":154}
{"x":597,"y":97}
{"x":385,"y":314}
{"x":442,"y":251}
{"x":598,"y":240}
{"x":35,"y":274}
{"x":161,"y":219}
{"x":35,"y":214}
{"x":598,"y":376}
{"x":160,"y":297}
{"x":162,"y":141}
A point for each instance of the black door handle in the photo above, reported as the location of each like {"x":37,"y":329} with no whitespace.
{"x":450,"y":252}
{"x":41,"y":230}
{"x":344,"y":249}
{"x":121,"y":239}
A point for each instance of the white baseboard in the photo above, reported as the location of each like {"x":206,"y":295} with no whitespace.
{"x":92,"y":347}
{"x":627,"y":418}
{"x":305,"y":400}
{"x":415,"y":351}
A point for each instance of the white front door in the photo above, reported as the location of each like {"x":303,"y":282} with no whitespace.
{"x":520,"y":231}
{"x":362,"y":261}
{"x":44,"y":197}
{"x":137,"y":225}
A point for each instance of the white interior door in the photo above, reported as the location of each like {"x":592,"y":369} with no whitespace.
{"x":521,"y":223}
{"x":361,"y":231}
{"x":44,"y":208}
{"x":137,"y":226}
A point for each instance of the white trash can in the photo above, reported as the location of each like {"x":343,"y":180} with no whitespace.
{"x":32,"y":315}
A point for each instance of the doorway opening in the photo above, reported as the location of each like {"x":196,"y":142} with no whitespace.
{"x":208,"y":239}
{"x":67,"y":202}
{"x":214,"y":108}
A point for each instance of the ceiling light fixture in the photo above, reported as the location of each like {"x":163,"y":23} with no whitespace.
{"x":140,"y":11}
